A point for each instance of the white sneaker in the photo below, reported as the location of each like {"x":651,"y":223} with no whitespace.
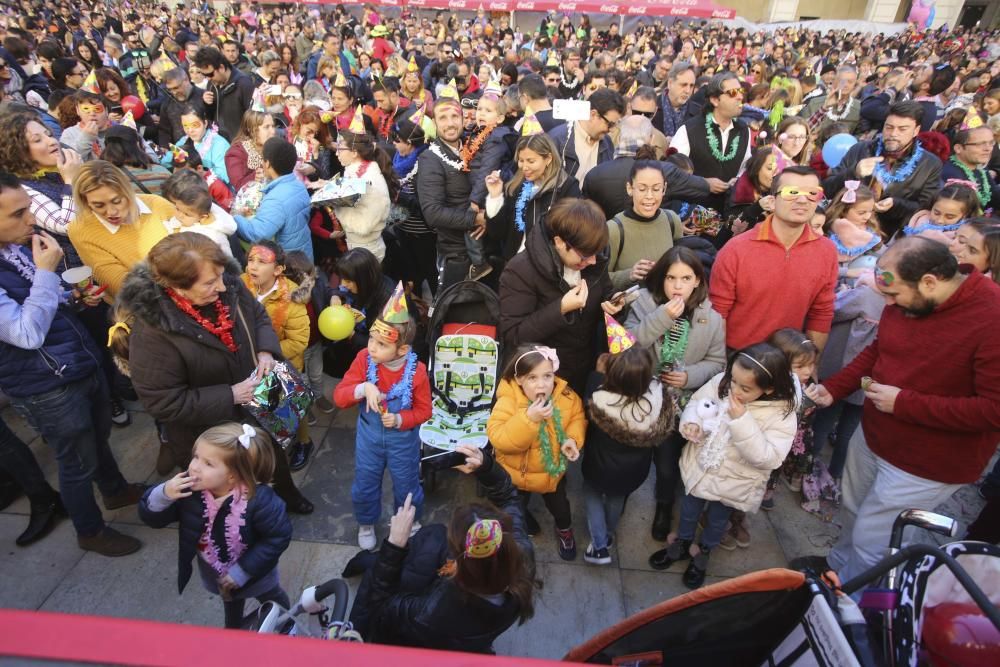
{"x":414,"y":528}
{"x":366,"y":537}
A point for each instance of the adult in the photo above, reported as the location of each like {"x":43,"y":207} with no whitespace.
{"x":330,"y":49}
{"x":124,"y":148}
{"x":904,"y":176}
{"x":412,"y":86}
{"x":554,"y":290}
{"x":181,"y":94}
{"x":929,"y":420}
{"x":971,"y":152}
{"x":643,"y":103}
{"x":794,"y":139}
{"x":838,"y":105}
{"x":245,"y":158}
{"x":676,"y":106}
{"x":229,"y":92}
{"x":605,"y":183}
{"x":674,"y":317}
{"x":283,"y":213}
{"x":417,"y":259}
{"x":926,"y":83}
{"x":192,"y":334}
{"x":717,"y":142}
{"x":534,"y":98}
{"x":235,"y":57}
{"x":270,"y":65}
{"x":364,"y":222}
{"x":585,"y":143}
{"x":570,"y":74}
{"x":114,"y":227}
{"x":977,"y":242}
{"x":68,"y":404}
{"x":389,"y":107}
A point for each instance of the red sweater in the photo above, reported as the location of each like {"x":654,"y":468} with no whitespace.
{"x":758,"y":286}
{"x":947,"y":417}
{"x":418,"y":413}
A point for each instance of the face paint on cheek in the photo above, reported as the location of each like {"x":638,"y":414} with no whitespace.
{"x":884,"y":278}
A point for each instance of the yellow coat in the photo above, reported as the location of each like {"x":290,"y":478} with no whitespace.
{"x":289,"y":318}
{"x":515,"y":437}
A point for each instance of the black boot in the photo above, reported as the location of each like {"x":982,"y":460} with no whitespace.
{"x":531,"y":523}
{"x":694,"y":575}
{"x":664,"y":558}
{"x":661,"y":521}
{"x":44,"y":514}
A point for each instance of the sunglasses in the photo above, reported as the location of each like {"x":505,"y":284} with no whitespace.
{"x":734,"y":92}
{"x":647,"y":114}
{"x":793,"y":192}
{"x":469,"y":103}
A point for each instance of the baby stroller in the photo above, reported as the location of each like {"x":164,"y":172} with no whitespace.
{"x":463,"y":368}
{"x":796,"y":618}
{"x":326,"y":605}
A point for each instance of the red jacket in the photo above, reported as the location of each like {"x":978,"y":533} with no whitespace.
{"x":418,"y":413}
{"x":759,"y":287}
{"x":946,"y":419}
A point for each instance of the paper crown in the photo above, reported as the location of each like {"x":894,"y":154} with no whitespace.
{"x":450,"y":90}
{"x":483,"y":538}
{"x":412,"y":65}
{"x":390,"y":73}
{"x":553,"y":61}
{"x":972,"y":119}
{"x":619,"y":339}
{"x":341,"y":80}
{"x":493,"y":88}
{"x":396,"y":311}
{"x":633,"y":88}
{"x":531,"y":126}
{"x":90,"y":83}
{"x":129,"y":121}
{"x":357,"y":125}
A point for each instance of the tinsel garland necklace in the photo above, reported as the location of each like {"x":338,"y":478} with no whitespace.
{"x":403,"y":389}
{"x":977,"y":176}
{"x":903,"y":171}
{"x":674,"y":343}
{"x":472,"y":147}
{"x":223,"y":330}
{"x":553,"y":467}
{"x":528,"y":190}
{"x":233,"y":522}
{"x":713,"y":142}
{"x":457,"y":165}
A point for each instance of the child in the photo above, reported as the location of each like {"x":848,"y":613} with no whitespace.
{"x":630,"y":413}
{"x":397,"y":399}
{"x":681,"y":208}
{"x":314,"y":290}
{"x":537,"y":425}
{"x":739,"y":428}
{"x":221,"y":192}
{"x":229,"y":518}
{"x":485,"y":152}
{"x":954,"y":203}
{"x":265,"y":279}
{"x":196,"y":212}
{"x":211,"y":146}
{"x":853,"y":228}
{"x":802,"y":355}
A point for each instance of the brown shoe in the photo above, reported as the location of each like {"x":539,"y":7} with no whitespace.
{"x":740,"y":532}
{"x":728,"y":540}
{"x":109,"y":542}
{"x":130,"y":496}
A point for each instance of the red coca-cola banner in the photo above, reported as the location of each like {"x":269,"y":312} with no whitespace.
{"x":679,"y":8}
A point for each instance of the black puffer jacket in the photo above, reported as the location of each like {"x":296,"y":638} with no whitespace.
{"x":495,"y":155}
{"x":531,"y":291}
{"x":444,"y":200}
{"x":501,"y":229}
{"x":182,"y":373}
{"x":441,"y":615}
{"x":231,"y":101}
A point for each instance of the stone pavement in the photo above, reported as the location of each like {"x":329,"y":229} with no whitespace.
{"x":577,"y":599}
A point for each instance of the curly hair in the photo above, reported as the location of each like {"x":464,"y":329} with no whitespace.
{"x":15,"y":156}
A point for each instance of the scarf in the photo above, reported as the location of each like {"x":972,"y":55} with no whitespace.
{"x":254,"y":159}
{"x":403,"y":164}
{"x":49,"y":184}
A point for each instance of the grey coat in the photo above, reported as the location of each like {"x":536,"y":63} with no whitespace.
{"x":705,"y":355}
{"x":855,"y":323}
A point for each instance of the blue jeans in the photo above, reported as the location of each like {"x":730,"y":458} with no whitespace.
{"x":75,"y":420}
{"x":716,"y":517}
{"x":19,"y":464}
{"x":603,"y":513}
{"x":474,"y":247}
{"x":846,"y":417}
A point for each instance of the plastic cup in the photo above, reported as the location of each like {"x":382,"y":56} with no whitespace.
{"x":80,"y":277}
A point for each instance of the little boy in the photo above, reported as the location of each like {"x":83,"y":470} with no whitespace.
{"x":396,"y":398}
{"x":196,"y":212}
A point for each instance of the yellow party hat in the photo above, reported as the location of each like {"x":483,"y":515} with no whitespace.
{"x":341,"y":80}
{"x":553,"y":61}
{"x":412,"y":65}
{"x":166,"y":64}
{"x":972,"y":119}
{"x":418,"y":117}
{"x":128,"y":120}
{"x":90,"y":83}
{"x":450,"y":90}
{"x":357,"y":125}
{"x":531,"y":126}
{"x":619,"y":339}
{"x":633,"y":88}
{"x":396,"y":310}
{"x":493,"y":88}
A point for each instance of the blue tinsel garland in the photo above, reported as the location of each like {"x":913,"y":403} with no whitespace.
{"x":528,"y":190}
{"x":403,"y":389}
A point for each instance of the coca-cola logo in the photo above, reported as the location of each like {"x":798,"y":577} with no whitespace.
{"x":722,"y":14}
{"x":417,"y":3}
{"x":456,"y":4}
{"x":637,"y":10}
{"x":498,"y":6}
{"x":679,"y":11}
{"x":525,"y":5}
{"x":567,"y":6}
{"x":609,"y":9}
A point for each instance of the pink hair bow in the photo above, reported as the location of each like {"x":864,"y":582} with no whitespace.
{"x":550,"y":354}
{"x":961,"y":181}
{"x":851,"y":195}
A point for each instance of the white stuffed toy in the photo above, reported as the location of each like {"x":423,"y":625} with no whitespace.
{"x":713,"y":419}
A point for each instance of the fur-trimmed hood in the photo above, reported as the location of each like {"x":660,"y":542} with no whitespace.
{"x":303,"y":291}
{"x":629,"y":423}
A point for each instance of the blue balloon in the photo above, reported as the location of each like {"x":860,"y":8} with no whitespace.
{"x":836,"y":148}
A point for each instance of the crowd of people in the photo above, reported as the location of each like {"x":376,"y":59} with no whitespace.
{"x":746,"y":250}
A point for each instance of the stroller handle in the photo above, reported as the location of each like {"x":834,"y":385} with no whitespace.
{"x":929,"y":521}
{"x":338,"y":588}
{"x":903,"y":555}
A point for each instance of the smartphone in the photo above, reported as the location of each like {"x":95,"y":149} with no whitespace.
{"x":443,"y":461}
{"x":626,"y":297}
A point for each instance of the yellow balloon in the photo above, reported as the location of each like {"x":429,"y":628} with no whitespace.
{"x":336,"y":322}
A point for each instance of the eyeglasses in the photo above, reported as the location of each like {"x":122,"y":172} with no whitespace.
{"x":734,"y":92}
{"x":583,"y":258}
{"x":208,"y":73}
{"x":796,"y":137}
{"x":793,"y":192}
{"x":979,"y":144}
{"x":470,"y":103}
{"x":608,"y":122}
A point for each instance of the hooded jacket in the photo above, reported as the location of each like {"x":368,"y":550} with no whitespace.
{"x":231,"y":101}
{"x":286,"y":307}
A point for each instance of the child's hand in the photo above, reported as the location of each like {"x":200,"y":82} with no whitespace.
{"x":373,"y":396}
{"x":473,"y":458}
{"x":539,"y":411}
{"x":737,"y":408}
{"x":227,"y":585}
{"x":674,"y":307}
{"x":691,"y":431}
{"x":401,"y":523}
{"x":335,"y":300}
{"x":570,"y":450}
{"x":389,"y":420}
{"x":178,"y":486}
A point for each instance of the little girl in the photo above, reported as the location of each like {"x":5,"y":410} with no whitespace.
{"x":314,"y":290}
{"x":954,"y":203}
{"x":265,"y":279}
{"x":196,"y":212}
{"x":228,"y":516}
{"x":853,"y":228}
{"x":739,"y":426}
{"x":536,"y":426}
{"x":211,"y":146}
{"x":630,"y":413}
{"x":802,"y":355}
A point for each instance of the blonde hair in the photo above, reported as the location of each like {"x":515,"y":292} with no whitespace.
{"x":253,"y":464}
{"x":97,"y":174}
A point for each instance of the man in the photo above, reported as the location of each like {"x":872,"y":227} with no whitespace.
{"x":283,"y":214}
{"x":270,"y":65}
{"x":234,"y":56}
{"x":331,"y":48}
{"x":229,"y":91}
{"x":114,"y":49}
{"x":428,"y":52}
{"x":304,"y":41}
{"x":444,"y":56}
{"x":971,"y":152}
{"x":181,"y":94}
{"x":838,"y":105}
{"x":717,"y":142}
{"x":389,"y":105}
{"x":931,"y":410}
{"x":551,"y":76}
{"x":533,"y":95}
{"x":675,"y":106}
{"x":444,"y":194}
{"x":605,"y":184}
{"x":594,"y":80}
{"x":588,"y":144}
{"x":49,"y":369}
{"x":926,"y":84}
{"x":570,"y":74}
{"x":905,"y":177}
{"x":661,"y":72}
{"x":643,"y":103}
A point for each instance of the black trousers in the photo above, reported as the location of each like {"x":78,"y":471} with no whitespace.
{"x":557,"y":503}
{"x":667,"y":456}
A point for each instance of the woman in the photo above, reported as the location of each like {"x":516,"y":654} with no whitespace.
{"x":674,"y":317}
{"x":552,"y":293}
{"x":364,"y":222}
{"x":418,"y":242}
{"x":87,"y":53}
{"x":644,"y":230}
{"x":243,"y":159}
{"x":290,"y":64}
{"x":412,"y":87}
{"x":113,"y":88}
{"x":750,"y":201}
{"x":456,"y":588}
{"x":122,"y":148}
{"x":794,"y":140}
{"x":193,"y":335}
{"x":540,"y":181}
{"x":977,"y":242}
{"x":342,"y":104}
{"x":114,"y":228}
{"x":311,"y":138}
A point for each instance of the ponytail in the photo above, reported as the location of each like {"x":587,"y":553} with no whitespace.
{"x":118,"y":335}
